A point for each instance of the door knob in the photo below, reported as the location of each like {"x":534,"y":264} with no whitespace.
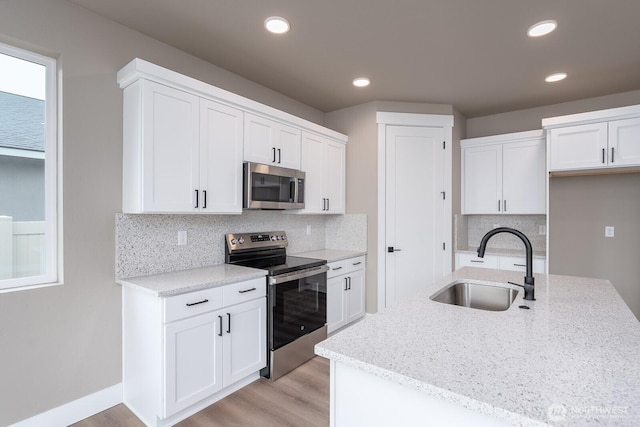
{"x":391,"y":249}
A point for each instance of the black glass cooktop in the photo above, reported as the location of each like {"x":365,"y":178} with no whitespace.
{"x":282,"y":264}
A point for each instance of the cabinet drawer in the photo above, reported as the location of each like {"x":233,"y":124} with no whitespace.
{"x":191,"y":304}
{"x":244,"y":291}
{"x":354,"y":264}
{"x":337,"y":268}
{"x":470,"y":260}
{"x":520,"y":264}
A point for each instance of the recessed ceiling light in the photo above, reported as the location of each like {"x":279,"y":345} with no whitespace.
{"x":361,"y":82}
{"x":555,"y":77}
{"x":542,"y":28}
{"x":276,"y":24}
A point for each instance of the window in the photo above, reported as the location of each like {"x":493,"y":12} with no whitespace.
{"x":28,"y":170}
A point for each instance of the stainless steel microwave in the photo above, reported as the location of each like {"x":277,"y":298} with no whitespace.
{"x":272,"y":187}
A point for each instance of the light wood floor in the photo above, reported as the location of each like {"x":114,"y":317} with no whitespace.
{"x":299,"y":399}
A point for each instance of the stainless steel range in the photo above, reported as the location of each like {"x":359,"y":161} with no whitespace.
{"x":296,"y":297}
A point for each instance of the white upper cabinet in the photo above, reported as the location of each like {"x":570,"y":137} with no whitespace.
{"x":323,"y":161}
{"x":182,"y":153}
{"x":271,"y":142}
{"x":598,"y":141}
{"x":504,"y":174}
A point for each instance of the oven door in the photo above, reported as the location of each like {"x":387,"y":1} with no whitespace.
{"x":297,"y":305}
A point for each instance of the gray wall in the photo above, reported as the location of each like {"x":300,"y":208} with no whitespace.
{"x":359,"y":122}
{"x":580,"y":207}
{"x":64,"y":342}
{"x":22,"y":188}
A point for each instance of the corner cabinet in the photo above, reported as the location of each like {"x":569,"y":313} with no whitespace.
{"x":270,"y":142}
{"x":182,"y":353}
{"x":504,"y":174}
{"x":601,"y":141}
{"x":323,"y":161}
{"x":345,"y":292}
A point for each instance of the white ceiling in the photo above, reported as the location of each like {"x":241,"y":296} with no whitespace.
{"x":473,"y":54}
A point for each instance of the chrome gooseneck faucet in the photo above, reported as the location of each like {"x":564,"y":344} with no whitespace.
{"x":528,"y":278}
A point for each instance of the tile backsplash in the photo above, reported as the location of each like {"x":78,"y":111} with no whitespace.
{"x":148,"y":244}
{"x":471,"y":228}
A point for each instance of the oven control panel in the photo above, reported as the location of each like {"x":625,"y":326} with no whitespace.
{"x":272,"y":239}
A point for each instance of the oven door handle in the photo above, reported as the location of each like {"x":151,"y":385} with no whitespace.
{"x":295,"y":275}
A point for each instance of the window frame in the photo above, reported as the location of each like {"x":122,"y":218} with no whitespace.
{"x":52,"y":177}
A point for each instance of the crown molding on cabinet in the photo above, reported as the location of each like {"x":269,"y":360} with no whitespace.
{"x":592,"y":117}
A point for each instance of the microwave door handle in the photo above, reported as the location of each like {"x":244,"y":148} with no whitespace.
{"x":292,"y":191}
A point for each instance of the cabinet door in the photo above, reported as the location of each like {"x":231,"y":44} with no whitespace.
{"x":482,"y":179}
{"x":624,"y":142}
{"x":170,"y":148}
{"x":193,"y":361}
{"x":355,"y":296}
{"x":336,"y":301}
{"x":288,"y":146}
{"x":313,"y":166}
{"x":524,"y":177}
{"x":334,"y":176}
{"x":221,"y":141}
{"x":578,"y":147}
{"x":245,"y":340}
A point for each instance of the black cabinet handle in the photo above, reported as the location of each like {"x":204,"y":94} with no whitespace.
{"x":612,"y":159}
{"x":220,"y":326}
{"x":190,"y":304}
{"x":519,"y":265}
{"x":477,"y":260}
{"x":196,"y":198}
{"x":603,"y":154}
{"x":279,"y":156}
{"x":274,"y":155}
{"x":504,"y":205}
{"x":336,"y":268}
{"x":328,"y":204}
{"x":246,"y":290}
{"x":228,"y":323}
{"x":349,"y":282}
{"x":498,"y":205}
{"x":346,"y":286}
{"x":204,"y":195}
{"x":357,"y":263}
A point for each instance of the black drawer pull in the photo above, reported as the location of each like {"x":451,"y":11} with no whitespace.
{"x":247,"y":290}
{"x":519,"y":265}
{"x":220,"y":326}
{"x":189,"y":304}
{"x":228,"y":323}
{"x":336,"y":268}
{"x":357,"y":263}
{"x":477,"y":260}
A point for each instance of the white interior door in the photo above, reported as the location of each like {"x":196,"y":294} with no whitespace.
{"x":415,"y":210}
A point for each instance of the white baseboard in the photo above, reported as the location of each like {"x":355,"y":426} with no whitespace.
{"x":77,"y":410}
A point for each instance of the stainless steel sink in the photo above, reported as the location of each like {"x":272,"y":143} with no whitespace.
{"x":476,"y":295}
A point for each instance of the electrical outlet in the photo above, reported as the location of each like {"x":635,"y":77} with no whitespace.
{"x":182,"y":238}
{"x":609,"y":231}
{"x":308,"y":230}
{"x":542,"y":230}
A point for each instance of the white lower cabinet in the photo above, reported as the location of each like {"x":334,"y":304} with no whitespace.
{"x":182,"y":353}
{"x":345,"y":292}
{"x":499,"y":262}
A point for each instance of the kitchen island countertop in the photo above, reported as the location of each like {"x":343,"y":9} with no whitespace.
{"x":571,"y":359}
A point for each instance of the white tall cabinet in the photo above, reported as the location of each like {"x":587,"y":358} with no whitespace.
{"x":504,"y":174}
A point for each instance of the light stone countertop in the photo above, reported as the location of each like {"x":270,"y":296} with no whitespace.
{"x":196,"y":279}
{"x":500,"y":251}
{"x":331,"y":255}
{"x":577,"y":346}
